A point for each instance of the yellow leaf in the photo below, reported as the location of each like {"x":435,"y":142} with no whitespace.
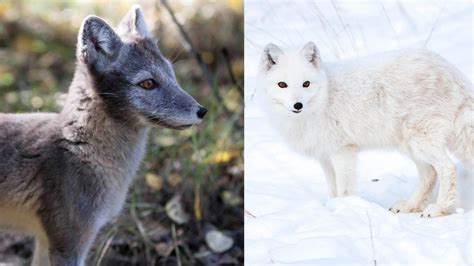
{"x":174,"y":180}
{"x":238,"y":68}
{"x":165,"y":140}
{"x":186,"y":147}
{"x":4,"y":8}
{"x":224,"y":156}
{"x":37,"y":102}
{"x":236,"y":5}
{"x":232,"y":100}
{"x":23,"y":43}
{"x":207,"y":57}
{"x":154,"y":181}
{"x":221,"y":157}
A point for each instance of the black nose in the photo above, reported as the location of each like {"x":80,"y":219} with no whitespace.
{"x":298,"y":106}
{"x":201,"y":112}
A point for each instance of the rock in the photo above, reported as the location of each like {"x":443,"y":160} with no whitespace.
{"x":218,"y":242}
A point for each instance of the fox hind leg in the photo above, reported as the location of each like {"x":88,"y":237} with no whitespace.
{"x":447,"y":195}
{"x":423,"y":191}
{"x":433,"y":151}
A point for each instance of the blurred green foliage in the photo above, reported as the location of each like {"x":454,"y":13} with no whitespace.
{"x":203,"y":165}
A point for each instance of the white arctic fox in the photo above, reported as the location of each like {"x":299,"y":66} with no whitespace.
{"x":412,"y":101}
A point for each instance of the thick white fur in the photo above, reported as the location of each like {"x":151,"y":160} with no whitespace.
{"x":413,"y":101}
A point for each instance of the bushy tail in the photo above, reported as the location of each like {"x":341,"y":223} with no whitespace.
{"x":463,"y":141}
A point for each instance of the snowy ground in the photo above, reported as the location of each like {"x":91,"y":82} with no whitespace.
{"x":289,"y":218}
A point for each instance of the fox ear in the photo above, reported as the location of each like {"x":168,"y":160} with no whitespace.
{"x":133,"y":23}
{"x":271,"y":55}
{"x":311,"y":53}
{"x":97,"y":41}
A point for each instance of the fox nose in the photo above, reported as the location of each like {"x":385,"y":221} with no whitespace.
{"x":201,"y":112}
{"x":298,"y":106}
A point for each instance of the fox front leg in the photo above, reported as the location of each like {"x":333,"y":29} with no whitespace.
{"x":344,"y":164}
{"x":72,"y":253}
{"x":330,"y":176}
{"x":70,"y":241}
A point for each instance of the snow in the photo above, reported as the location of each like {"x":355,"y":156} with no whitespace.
{"x":289,"y":216}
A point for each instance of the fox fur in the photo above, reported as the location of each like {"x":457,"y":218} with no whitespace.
{"x":65,"y":175}
{"x":412,"y":101}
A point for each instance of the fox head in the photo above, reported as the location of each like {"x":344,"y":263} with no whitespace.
{"x":293,"y":81}
{"x":134,"y":80}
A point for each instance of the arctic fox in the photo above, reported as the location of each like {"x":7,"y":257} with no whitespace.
{"x":413,"y":101}
{"x":64,"y":175}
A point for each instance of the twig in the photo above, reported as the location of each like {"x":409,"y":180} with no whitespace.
{"x":265,"y":32}
{"x":225,"y":52}
{"x":197,"y":202}
{"x":371,"y":239}
{"x":175,"y":244}
{"x":325,"y":24}
{"x":390,"y":22}
{"x":366,"y":47}
{"x":435,"y":24}
{"x":105,"y":247}
{"x":346,"y":26}
{"x":303,"y":15}
{"x":193,"y":51}
{"x":408,"y":17}
{"x":142,"y":231}
{"x":254,"y":44}
{"x":250,"y":214}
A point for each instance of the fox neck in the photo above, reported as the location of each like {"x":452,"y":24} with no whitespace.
{"x":308,"y":132}
{"x":298,"y":124}
{"x":103,"y":140}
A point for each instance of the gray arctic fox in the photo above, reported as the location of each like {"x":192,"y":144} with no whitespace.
{"x":64,"y":175}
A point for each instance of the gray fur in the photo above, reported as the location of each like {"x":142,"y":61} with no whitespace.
{"x":133,"y":16}
{"x":70,"y":171}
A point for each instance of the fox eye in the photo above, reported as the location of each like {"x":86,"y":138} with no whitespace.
{"x":306,"y":84}
{"x":282,"y":84}
{"x":147,"y":84}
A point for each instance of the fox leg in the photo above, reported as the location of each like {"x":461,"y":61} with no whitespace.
{"x":69,"y":238}
{"x":72,"y":250}
{"x":344,"y":164}
{"x":422,"y":194}
{"x":72,"y":253}
{"x":330,"y":176}
{"x":434,"y":152}
{"x":447,"y":195}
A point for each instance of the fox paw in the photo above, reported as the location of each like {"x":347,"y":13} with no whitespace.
{"x":345,"y":193}
{"x":434,"y":210}
{"x":403,"y":206}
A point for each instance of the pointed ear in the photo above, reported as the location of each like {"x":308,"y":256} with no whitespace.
{"x":97,"y":41}
{"x":271,"y":55}
{"x":311,"y":53}
{"x":133,"y":23}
